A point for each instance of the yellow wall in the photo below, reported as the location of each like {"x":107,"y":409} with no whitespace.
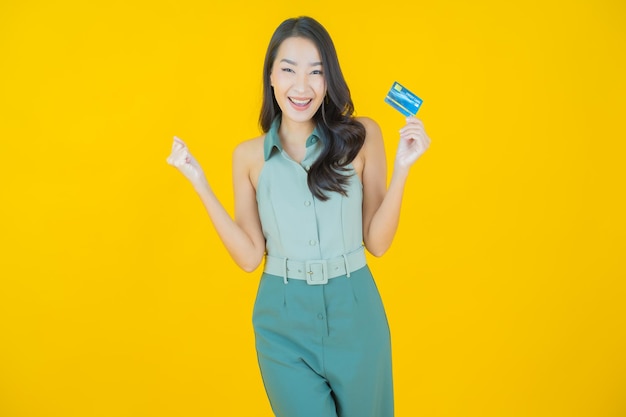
{"x":505,"y":285}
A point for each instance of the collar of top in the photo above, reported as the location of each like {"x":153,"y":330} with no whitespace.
{"x":272,"y":141}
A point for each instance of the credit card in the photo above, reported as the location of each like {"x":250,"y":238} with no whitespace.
{"x":401,"y":99}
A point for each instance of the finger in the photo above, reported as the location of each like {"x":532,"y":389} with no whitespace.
{"x":414,"y":131}
{"x":177,"y":147}
{"x":177,"y":157}
{"x":173,"y":156}
{"x":413,"y":126}
{"x":408,"y":129}
{"x":418,"y":135}
{"x":414,"y":121}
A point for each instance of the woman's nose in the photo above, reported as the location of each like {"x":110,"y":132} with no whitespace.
{"x":301,"y":83}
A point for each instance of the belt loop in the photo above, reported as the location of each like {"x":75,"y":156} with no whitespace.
{"x":345,"y":260}
{"x":285,"y":273}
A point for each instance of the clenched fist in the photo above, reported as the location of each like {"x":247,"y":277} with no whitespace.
{"x":181,"y":159}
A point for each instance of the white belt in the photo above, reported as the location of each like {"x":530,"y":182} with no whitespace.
{"x":318,"y":271}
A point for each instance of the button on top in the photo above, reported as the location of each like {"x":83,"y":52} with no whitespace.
{"x":312,"y":242}
{"x":320,"y":316}
{"x":307,"y":203}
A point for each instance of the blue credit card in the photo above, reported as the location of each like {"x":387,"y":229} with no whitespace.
{"x":401,"y":99}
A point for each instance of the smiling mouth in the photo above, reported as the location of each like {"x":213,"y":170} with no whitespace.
{"x":300,"y":103}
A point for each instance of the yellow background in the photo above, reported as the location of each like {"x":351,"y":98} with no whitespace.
{"x":505,"y":285}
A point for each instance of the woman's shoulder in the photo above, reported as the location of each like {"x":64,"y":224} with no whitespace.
{"x":372,"y":129}
{"x":372,"y":146}
{"x":250,"y":150}
{"x":367,"y":122}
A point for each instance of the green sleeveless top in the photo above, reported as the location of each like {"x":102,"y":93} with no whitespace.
{"x":295,"y":224}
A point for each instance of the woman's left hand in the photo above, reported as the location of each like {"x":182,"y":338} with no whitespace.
{"x":413,"y":143}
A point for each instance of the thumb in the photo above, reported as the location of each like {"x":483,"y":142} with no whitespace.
{"x":178,"y":144}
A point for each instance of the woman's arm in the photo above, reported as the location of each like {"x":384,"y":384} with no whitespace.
{"x":242,"y":237}
{"x":381,"y":205}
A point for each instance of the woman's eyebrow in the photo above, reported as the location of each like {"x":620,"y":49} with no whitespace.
{"x":289,"y":61}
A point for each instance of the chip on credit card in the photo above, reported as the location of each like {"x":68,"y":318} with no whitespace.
{"x":401,"y":99}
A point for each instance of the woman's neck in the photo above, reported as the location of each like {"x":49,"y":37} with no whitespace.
{"x":294,"y":133}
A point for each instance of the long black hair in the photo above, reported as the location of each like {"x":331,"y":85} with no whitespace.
{"x":343,"y":136}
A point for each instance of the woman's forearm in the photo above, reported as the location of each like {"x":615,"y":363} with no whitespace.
{"x":245,"y":251}
{"x":385,"y":220}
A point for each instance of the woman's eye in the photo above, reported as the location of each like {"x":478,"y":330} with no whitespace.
{"x":287,"y":70}
{"x":317,"y":72}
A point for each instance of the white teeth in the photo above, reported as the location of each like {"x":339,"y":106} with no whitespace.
{"x":300,"y":102}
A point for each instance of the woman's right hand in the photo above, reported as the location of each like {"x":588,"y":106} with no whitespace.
{"x":181,"y":159}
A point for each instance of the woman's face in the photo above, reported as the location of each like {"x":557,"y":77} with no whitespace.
{"x":298,"y":79}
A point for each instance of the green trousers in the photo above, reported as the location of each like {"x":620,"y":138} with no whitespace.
{"x":324,"y":350}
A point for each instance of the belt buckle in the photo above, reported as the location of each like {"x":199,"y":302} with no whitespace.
{"x":316,"y":272}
